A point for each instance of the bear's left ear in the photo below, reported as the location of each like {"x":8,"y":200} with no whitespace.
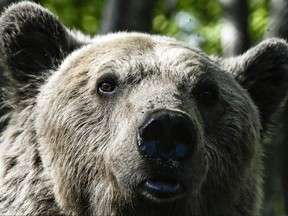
{"x":263,"y":71}
{"x":32,"y":41}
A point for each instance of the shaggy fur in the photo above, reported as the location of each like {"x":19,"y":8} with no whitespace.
{"x":70,"y":148}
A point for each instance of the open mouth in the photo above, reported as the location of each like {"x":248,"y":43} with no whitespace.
{"x":162,"y":189}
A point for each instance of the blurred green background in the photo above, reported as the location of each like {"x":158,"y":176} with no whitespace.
{"x":194,"y":21}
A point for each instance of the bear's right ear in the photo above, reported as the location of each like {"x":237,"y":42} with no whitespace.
{"x":32,"y":41}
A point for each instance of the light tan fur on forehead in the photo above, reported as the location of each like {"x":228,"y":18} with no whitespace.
{"x":122,"y":45}
{"x":109,"y":47}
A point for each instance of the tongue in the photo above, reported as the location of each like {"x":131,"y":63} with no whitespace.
{"x":163,"y":186}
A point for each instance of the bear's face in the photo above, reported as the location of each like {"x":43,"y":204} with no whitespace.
{"x":93,"y":113}
{"x":131,"y":123}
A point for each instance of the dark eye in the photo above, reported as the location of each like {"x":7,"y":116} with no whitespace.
{"x":106,"y":87}
{"x":208,"y":96}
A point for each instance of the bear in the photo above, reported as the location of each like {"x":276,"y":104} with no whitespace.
{"x":131,"y":123}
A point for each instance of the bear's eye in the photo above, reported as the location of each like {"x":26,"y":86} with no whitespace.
{"x":208,"y":95}
{"x":107,"y":86}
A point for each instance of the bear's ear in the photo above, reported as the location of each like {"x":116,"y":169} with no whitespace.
{"x":263,"y":71}
{"x":32,"y":41}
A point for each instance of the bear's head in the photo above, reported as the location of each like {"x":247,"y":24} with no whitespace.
{"x":132,"y":123}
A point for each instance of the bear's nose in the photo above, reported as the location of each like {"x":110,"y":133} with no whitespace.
{"x":167,"y":135}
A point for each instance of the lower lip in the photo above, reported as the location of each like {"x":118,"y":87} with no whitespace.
{"x":162,"y":190}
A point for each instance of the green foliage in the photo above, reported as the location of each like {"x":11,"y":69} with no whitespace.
{"x":197,"y":22}
{"x":84,"y":15}
{"x":164,"y":25}
{"x":258,"y":19}
{"x":208,"y":15}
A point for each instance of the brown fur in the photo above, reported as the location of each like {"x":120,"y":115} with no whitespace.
{"x":69,"y":149}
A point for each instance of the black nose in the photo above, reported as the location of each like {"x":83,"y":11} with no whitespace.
{"x":167,"y":135}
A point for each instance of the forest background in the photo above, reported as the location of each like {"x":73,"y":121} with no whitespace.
{"x":219,"y":27}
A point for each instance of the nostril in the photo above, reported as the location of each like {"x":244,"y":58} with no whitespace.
{"x":154,"y":130}
{"x":183,"y":135}
{"x":150,"y":136}
{"x":167,"y":135}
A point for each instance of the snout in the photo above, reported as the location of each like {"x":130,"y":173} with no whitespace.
{"x":167,"y":135}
